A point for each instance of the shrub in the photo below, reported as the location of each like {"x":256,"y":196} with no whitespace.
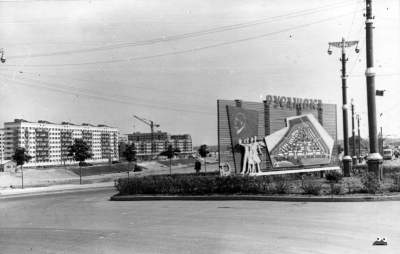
{"x":395,"y":187}
{"x":335,"y":189}
{"x":333,"y":176}
{"x":311,"y":188}
{"x":280,"y":185}
{"x":137,"y":168}
{"x":264,"y":184}
{"x":370,"y":183}
{"x":391,"y":169}
{"x":197,"y":185}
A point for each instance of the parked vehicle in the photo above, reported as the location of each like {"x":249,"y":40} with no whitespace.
{"x":387,"y":154}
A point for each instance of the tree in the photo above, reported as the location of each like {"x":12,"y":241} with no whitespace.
{"x":20,"y":157}
{"x":130,"y":155}
{"x":203,"y":151}
{"x":170,"y":153}
{"x":197,"y":166}
{"x":80,"y":151}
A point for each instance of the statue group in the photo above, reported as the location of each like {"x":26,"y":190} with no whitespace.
{"x":251,"y":156}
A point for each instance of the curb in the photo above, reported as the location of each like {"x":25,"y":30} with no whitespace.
{"x":54,"y":192}
{"x":254,"y":198}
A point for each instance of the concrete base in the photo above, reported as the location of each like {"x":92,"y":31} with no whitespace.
{"x":294,"y":171}
{"x":347,"y":165}
{"x":375,"y":165}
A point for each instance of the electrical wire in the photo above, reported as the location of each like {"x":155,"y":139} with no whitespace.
{"x":189,"y":50}
{"x":141,"y":87}
{"x":103,"y":98}
{"x":356,"y":7}
{"x":193,"y":34}
{"x":90,"y":91}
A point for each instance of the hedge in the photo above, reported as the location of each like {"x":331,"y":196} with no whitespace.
{"x":201,"y":185}
{"x":208,"y":184}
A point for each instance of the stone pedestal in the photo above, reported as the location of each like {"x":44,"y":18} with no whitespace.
{"x":375,"y":165}
{"x":347,"y":165}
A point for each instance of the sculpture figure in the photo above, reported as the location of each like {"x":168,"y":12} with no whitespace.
{"x":251,"y":156}
{"x":255,"y":154}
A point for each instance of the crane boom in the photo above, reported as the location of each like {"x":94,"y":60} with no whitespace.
{"x":152,"y":125}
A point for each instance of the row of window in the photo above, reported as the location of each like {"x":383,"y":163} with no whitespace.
{"x":61,"y":160}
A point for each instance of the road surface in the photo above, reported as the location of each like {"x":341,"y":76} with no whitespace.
{"x":89,"y":223}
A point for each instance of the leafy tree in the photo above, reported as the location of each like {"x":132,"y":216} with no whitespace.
{"x":20,"y":157}
{"x":80,"y":151}
{"x":130,"y":155}
{"x":203,"y":151}
{"x":170,"y":153}
{"x":197,"y":166}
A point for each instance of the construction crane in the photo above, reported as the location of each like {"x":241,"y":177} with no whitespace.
{"x":152,"y":125}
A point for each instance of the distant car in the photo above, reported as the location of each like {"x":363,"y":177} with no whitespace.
{"x":85,"y":164}
{"x":115,"y":162}
{"x":387,"y":154}
{"x":380,"y":241}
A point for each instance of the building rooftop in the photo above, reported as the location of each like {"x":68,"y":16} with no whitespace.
{"x":62,"y":123}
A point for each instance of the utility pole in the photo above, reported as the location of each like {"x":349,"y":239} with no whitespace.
{"x":3,"y":60}
{"x":343,"y":45}
{"x":380,"y":135}
{"x":381,"y":141}
{"x":359,"y":138}
{"x":353,"y":134}
{"x":374,"y":158}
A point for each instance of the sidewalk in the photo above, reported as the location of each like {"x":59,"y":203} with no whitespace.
{"x":63,"y":188}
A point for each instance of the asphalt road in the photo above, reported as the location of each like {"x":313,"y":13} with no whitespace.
{"x":89,"y":223}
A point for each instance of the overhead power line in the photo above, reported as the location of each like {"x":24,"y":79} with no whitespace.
{"x":130,"y":85}
{"x":220,"y":29}
{"x":189,"y":50}
{"x":108,"y":95}
{"x":103,"y":97}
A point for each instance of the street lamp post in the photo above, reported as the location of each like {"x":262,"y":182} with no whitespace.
{"x":343,"y":45}
{"x":359,"y":138}
{"x":380,"y":135}
{"x":374,"y":158}
{"x":353,"y":134}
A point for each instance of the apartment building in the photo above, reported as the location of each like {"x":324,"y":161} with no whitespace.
{"x":48,"y":143}
{"x":1,"y":146}
{"x":161,"y":140}
{"x":182,"y":142}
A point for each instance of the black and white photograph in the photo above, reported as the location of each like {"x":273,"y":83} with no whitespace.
{"x":188,"y":126}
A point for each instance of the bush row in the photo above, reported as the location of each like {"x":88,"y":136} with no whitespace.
{"x":201,"y":185}
{"x":214,"y":184}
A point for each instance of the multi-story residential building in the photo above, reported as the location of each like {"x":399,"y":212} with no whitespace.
{"x":1,"y":146}
{"x":48,"y":143}
{"x":161,"y":140}
{"x":182,"y":142}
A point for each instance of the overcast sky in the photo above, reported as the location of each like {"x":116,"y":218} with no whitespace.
{"x":169,"y":60}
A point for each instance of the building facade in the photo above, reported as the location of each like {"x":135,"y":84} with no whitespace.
{"x":1,"y":146}
{"x":161,"y":140}
{"x":48,"y":143}
{"x":271,"y":115}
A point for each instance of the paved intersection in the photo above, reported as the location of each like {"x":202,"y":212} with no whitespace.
{"x":87,"y":222}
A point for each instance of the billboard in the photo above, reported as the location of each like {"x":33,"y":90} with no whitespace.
{"x":303,"y":142}
{"x":243,"y":125}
